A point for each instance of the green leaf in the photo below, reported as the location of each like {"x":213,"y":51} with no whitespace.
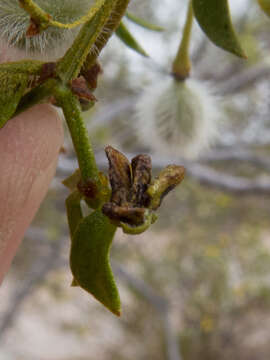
{"x":89,"y":259}
{"x":74,"y":213}
{"x":214,"y":18}
{"x":123,"y":33}
{"x":72,"y":181}
{"x":143,"y":23}
{"x":12,"y":89}
{"x":265,"y":6}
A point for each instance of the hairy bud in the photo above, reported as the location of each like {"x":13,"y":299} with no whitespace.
{"x":15,"y":23}
{"x":177,"y":117}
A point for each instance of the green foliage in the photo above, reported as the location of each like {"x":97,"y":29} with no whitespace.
{"x":214,"y":18}
{"x":123,"y":33}
{"x":265,"y":5}
{"x":89,"y":259}
{"x":13,"y":87}
{"x":143,"y":23}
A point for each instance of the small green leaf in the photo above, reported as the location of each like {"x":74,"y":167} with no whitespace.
{"x":143,"y":23}
{"x":89,"y":259}
{"x":123,"y":33}
{"x":265,"y":6}
{"x":74,"y":211}
{"x":12,"y":89}
{"x":72,"y":181}
{"x":215,"y":20}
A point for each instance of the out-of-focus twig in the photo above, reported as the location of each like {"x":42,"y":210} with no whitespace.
{"x":203,"y":173}
{"x":238,"y":155}
{"x":244,"y":79}
{"x":41,"y":267}
{"x":200,"y":51}
{"x":160,"y":304}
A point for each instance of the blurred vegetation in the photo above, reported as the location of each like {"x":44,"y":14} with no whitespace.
{"x":208,"y":255}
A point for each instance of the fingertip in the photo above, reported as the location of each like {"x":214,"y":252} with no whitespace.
{"x":29,"y":148}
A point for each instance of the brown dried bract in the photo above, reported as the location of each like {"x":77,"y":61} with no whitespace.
{"x":33,"y":29}
{"x":79,"y":88}
{"x":126,"y":214}
{"x":119,"y":175}
{"x":48,"y":71}
{"x":88,"y":189}
{"x":141,"y":170}
{"x":35,"y":26}
{"x":91,"y":75}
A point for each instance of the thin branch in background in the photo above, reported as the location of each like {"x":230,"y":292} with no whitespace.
{"x":233,"y":184}
{"x":238,"y":155}
{"x":160,"y":304}
{"x":244,"y":80}
{"x":39,"y":270}
{"x":204,"y":174}
{"x":200,"y":51}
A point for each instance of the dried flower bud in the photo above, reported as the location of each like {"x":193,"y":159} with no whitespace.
{"x":134,"y":197}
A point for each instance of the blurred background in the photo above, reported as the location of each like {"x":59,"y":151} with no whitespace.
{"x":197,"y":284}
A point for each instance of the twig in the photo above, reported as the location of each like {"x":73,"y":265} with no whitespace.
{"x":160,"y":304}
{"x":39,"y":270}
{"x":203,"y":173}
{"x":244,"y":80}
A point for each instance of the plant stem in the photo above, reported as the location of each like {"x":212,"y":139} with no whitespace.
{"x":70,"y":65}
{"x":181,"y":65}
{"x":38,"y":15}
{"x":44,"y":20}
{"x":30,"y":67}
{"x":110,"y":26}
{"x":79,"y":135}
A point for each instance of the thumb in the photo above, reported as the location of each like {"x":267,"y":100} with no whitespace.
{"x":29,"y":148}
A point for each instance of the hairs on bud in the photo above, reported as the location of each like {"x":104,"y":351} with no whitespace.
{"x":51,"y":43}
{"x":179,"y":118}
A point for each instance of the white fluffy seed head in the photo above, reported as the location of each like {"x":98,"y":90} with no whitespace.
{"x":51,"y":43}
{"x":177,"y":118}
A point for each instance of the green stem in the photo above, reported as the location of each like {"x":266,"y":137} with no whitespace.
{"x":38,"y":15}
{"x":70,"y":65}
{"x":86,"y":158}
{"x":181,"y":66}
{"x":43,"y":20}
{"x":110,"y":26}
{"x":30,"y":67}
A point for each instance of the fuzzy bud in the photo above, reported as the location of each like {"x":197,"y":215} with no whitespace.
{"x":178,"y":118}
{"x":52,"y":42}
